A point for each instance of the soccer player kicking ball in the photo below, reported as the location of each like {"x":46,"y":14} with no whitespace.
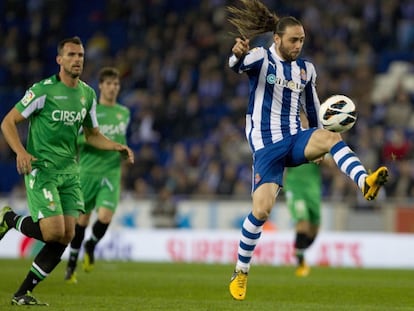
{"x":281,"y":84}
{"x":100,"y":173}
{"x":56,"y":107}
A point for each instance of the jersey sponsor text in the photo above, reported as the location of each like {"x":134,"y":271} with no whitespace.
{"x":69,"y":117}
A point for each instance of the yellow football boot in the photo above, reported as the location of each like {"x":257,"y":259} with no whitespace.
{"x":238,"y":285}
{"x":373,"y":183}
{"x":302,"y":270}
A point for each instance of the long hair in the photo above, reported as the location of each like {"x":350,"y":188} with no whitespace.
{"x":252,"y":20}
{"x":256,"y":19}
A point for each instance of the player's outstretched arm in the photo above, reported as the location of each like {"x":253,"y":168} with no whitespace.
{"x":96,"y":139}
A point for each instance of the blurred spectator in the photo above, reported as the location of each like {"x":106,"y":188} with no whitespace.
{"x":399,"y":109}
{"x":227,"y":184}
{"x":396,"y":147}
{"x":98,"y":46}
{"x":164,"y":209}
{"x":402,"y":186}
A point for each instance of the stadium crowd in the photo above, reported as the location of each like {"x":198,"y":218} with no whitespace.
{"x":188,"y":108}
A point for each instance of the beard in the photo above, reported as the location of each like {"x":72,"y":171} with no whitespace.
{"x":74,"y":73}
{"x":286,"y":54}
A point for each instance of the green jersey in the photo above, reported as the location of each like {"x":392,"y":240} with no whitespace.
{"x":113,"y":123}
{"x":56,"y":113}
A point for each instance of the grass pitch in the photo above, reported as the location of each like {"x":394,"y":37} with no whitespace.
{"x":136,"y":286}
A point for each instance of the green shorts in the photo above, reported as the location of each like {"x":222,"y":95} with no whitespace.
{"x":304,"y":207}
{"x":51,"y":194}
{"x":100,"y":191}
{"x":303,"y":193}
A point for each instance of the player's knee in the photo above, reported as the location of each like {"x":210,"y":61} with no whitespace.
{"x":330,"y":138}
{"x":262,"y":209}
{"x":261,"y":214}
{"x":68,"y":237}
{"x":57,"y":235}
{"x":320,"y":143}
{"x":105,"y":215}
{"x":105,"y":219}
{"x":53,"y":236}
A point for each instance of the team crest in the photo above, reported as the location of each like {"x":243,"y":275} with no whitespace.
{"x":303,"y":74}
{"x":28,"y":97}
{"x":52,"y":206}
{"x":83,"y":100}
{"x":257,"y":178}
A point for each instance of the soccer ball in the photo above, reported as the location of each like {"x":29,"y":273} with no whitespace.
{"x":338,"y":113}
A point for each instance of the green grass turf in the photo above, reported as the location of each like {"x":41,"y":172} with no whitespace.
{"x":131,"y":286}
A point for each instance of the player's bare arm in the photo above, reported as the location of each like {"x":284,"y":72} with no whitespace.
{"x":11,"y":134}
{"x":95,"y":138}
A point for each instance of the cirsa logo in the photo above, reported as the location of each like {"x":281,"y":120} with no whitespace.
{"x":271,"y":78}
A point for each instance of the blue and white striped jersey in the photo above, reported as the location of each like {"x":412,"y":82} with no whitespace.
{"x":278,"y":89}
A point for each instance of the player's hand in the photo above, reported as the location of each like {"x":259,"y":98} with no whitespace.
{"x":126,"y":153}
{"x":24,"y":162}
{"x":318,"y":160}
{"x":241,"y":47}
